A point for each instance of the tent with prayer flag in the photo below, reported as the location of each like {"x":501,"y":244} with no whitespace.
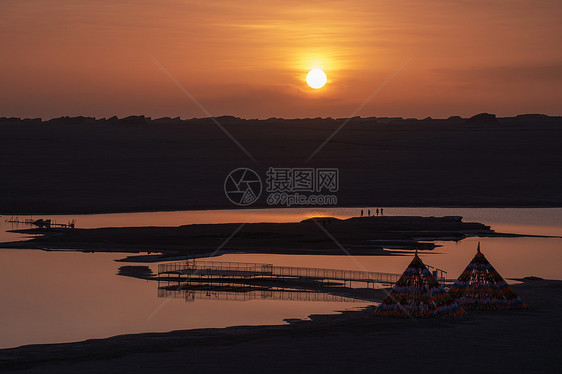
{"x":481,"y":287}
{"x":418,"y":294}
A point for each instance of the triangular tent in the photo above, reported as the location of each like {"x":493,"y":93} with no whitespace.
{"x":418,"y":294}
{"x":481,"y":287}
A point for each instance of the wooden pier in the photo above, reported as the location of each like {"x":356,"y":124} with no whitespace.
{"x":237,"y":281}
{"x":193,"y":269}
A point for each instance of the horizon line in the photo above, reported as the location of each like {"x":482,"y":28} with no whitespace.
{"x":227,"y":116}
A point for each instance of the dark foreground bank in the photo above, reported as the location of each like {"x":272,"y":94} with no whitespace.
{"x":500,"y":341}
{"x":84,"y":165}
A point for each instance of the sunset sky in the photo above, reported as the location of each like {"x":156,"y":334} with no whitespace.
{"x":250,"y":58}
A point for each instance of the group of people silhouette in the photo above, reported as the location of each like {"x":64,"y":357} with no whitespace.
{"x":381,"y":211}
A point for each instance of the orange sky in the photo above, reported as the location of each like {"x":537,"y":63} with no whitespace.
{"x":250,"y":58}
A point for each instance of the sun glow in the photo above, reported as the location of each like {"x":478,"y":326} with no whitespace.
{"x":316,"y":78}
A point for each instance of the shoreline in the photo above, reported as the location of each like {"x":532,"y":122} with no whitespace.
{"x":346,"y":340}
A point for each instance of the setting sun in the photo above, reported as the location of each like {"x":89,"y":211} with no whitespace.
{"x":316,"y":78}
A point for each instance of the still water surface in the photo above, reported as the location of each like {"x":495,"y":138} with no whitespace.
{"x":67,"y":296}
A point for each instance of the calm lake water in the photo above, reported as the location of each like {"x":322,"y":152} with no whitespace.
{"x":67,"y":296}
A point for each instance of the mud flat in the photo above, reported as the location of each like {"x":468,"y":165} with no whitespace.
{"x":360,"y":236}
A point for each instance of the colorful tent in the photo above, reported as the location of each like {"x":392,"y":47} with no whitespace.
{"x":418,"y":294}
{"x":481,"y":287}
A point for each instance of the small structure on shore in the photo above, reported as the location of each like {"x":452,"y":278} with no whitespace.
{"x":418,"y":294}
{"x":42,"y":223}
{"x":480,"y":286}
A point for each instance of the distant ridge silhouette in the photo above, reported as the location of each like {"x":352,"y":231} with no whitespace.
{"x":139,"y":119}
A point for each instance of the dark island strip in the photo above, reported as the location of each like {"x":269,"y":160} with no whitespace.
{"x":359,"y":236}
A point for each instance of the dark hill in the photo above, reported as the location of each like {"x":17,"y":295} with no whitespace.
{"x":84,"y":164}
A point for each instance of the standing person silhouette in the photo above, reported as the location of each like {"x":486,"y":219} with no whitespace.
{"x":381,"y":211}
{"x":377,"y":211}
{"x":369,"y":212}
{"x":361,"y":212}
